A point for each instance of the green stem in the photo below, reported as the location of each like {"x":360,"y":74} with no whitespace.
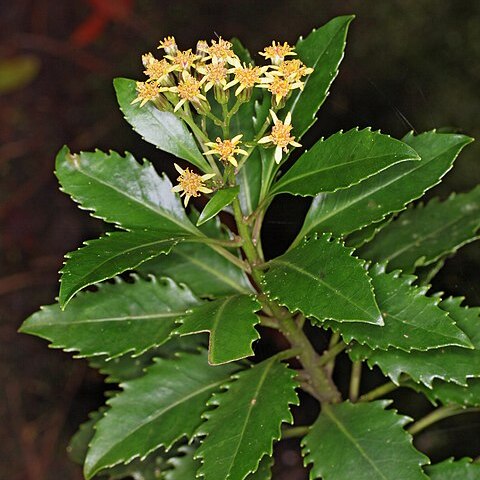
{"x":295,"y":432}
{"x":230,"y":257}
{"x":355,"y":379}
{"x":329,"y":355}
{"x":437,"y":415}
{"x":334,"y":339}
{"x":378,"y":392}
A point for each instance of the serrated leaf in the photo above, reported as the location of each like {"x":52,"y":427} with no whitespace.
{"x":413,"y":321}
{"x":264,"y":471}
{"x":246,"y":421}
{"x":231,"y":324}
{"x":451,"y":469}
{"x":389,"y":191}
{"x":342,"y":160}
{"x":451,"y":393}
{"x":155,"y":410}
{"x":127,"y":367}
{"x":362,"y":441}
{"x":78,"y":445}
{"x":183,"y":467}
{"x":119,"y":190}
{"x":217,"y":203}
{"x":323,"y":51}
{"x":452,"y":364}
{"x":206,"y":272}
{"x":322,"y":279}
{"x":361,"y":237}
{"x":119,"y":318}
{"x":107,"y":257}
{"x":424,"y":234}
{"x":165,"y":130}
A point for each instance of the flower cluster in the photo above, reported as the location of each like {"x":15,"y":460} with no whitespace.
{"x":186,"y":79}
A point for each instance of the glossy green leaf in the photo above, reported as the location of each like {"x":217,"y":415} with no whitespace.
{"x":264,"y":471}
{"x":389,"y":191}
{"x":342,"y":160}
{"x":451,"y":469}
{"x":119,"y":318}
{"x":205,"y":271}
{"x":450,"y":393}
{"x":452,"y":364}
{"x":361,"y":237}
{"x":217,"y":203}
{"x":183,"y":467}
{"x":246,"y":421}
{"x":107,"y":257}
{"x":155,"y":410}
{"x":164,"y":129}
{"x":323,"y":51}
{"x":362,"y":441}
{"x":413,"y":321}
{"x":120,"y":190}
{"x":78,"y":445}
{"x":322,"y":279}
{"x":230,"y":322}
{"x":423,"y":235}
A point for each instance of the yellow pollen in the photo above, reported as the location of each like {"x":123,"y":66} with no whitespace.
{"x":221,"y":49}
{"x":281,"y":135}
{"x":293,"y":69}
{"x":184,"y":59}
{"x":225,"y":148}
{"x":216,"y":72}
{"x":247,"y":76}
{"x":189,"y":88}
{"x":280,"y":87}
{"x":146,"y":90}
{"x":277,"y":51}
{"x":190,"y":182}
{"x":156,"y":69}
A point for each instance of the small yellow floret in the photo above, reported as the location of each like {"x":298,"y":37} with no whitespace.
{"x":146,"y":91}
{"x":277,"y":52}
{"x":191,"y":184}
{"x":226,"y":149}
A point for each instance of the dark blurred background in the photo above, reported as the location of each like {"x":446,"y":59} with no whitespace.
{"x":410,"y":64}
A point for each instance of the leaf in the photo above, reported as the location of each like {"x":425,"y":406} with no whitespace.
{"x":217,"y":203}
{"x":451,"y":393}
{"x":163,"y":129}
{"x":231,"y":323}
{"x":119,"y":318}
{"x":322,"y":279}
{"x":342,"y":160}
{"x":423,"y":235}
{"x":246,"y":421}
{"x":78,"y":445}
{"x":389,"y":191}
{"x":413,"y":321}
{"x":361,"y":237}
{"x":155,"y":410}
{"x":323,"y":51}
{"x":363,"y":440}
{"x":452,"y":364}
{"x":108,"y":256}
{"x":451,"y":469}
{"x":264,"y":471}
{"x":119,"y":190}
{"x":206,"y":272}
{"x":183,"y":467}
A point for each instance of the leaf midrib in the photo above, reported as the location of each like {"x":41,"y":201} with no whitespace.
{"x":160,"y":212}
{"x":381,"y":187}
{"x":319,"y":171}
{"x":319,"y":280}
{"x":353,"y":440}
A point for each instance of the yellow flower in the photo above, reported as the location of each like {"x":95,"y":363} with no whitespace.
{"x":183,"y":60}
{"x":292,"y":70}
{"x":156,"y":70}
{"x":146,"y":91}
{"x":169,"y":45}
{"x":215,"y":75}
{"x":280,"y":135}
{"x":191,"y":184}
{"x":279,"y":87}
{"x":277,"y":52}
{"x":226,"y":149}
{"x":221,"y":52}
{"x":246,"y":77}
{"x":188,"y":89}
